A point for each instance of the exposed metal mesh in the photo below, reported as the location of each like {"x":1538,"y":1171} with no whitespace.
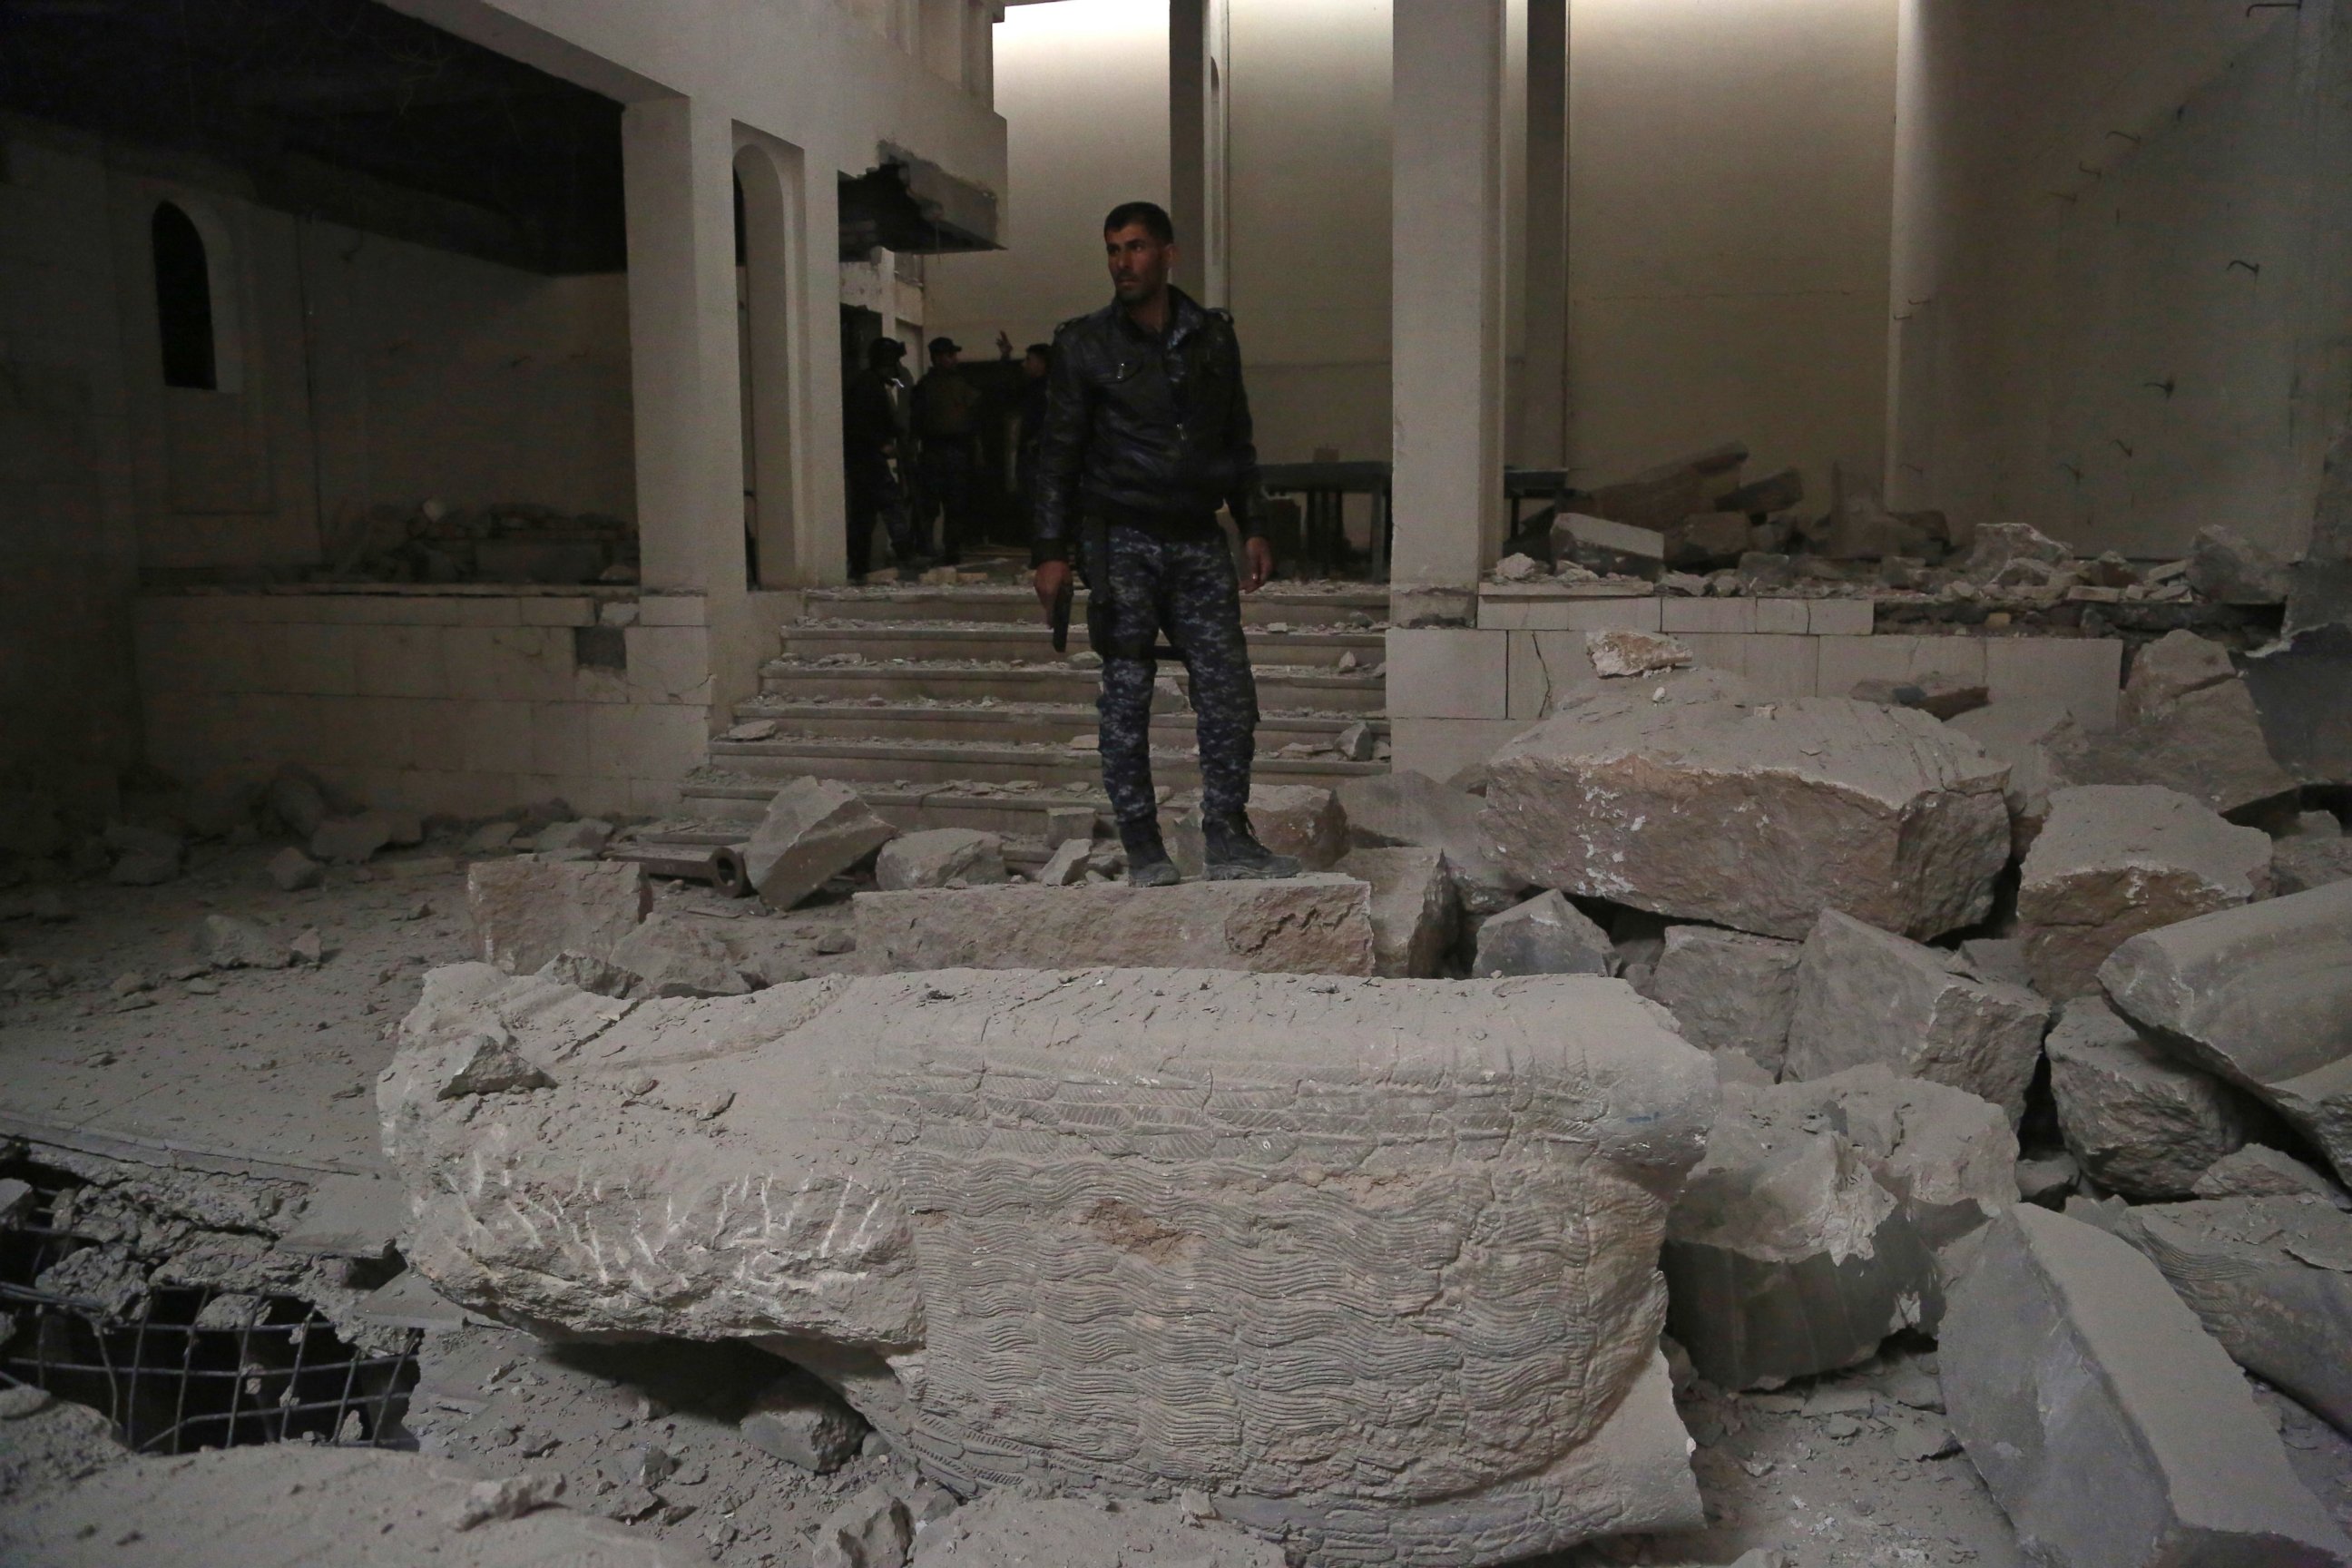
{"x":189,"y":1368}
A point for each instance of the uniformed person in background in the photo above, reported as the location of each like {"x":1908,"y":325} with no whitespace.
{"x":947,"y":427}
{"x":1147,"y":433}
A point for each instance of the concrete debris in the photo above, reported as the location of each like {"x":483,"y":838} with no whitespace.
{"x":351,"y":840}
{"x":1600,"y":545}
{"x":587,"y":835}
{"x":17,"y":1200}
{"x":2139,"y":1123}
{"x":1616,"y":654}
{"x":144,"y":857}
{"x":1995,"y":961}
{"x":804,"y":1423}
{"x":1811,"y":1230}
{"x":291,"y":871}
{"x":1002,"y":1531}
{"x":1729,"y":990}
{"x":2228,"y":568}
{"x":1998,"y":545}
{"x":588,"y":973}
{"x":1137,"y":1145}
{"x":675,"y":954}
{"x":1317,"y":925}
{"x":1546,"y":935}
{"x":1867,"y":996}
{"x":2298,"y":686}
{"x":294,"y":798}
{"x":2048,"y":1179}
{"x":2270,"y":1278}
{"x":814,"y":829}
{"x":2189,"y":724}
{"x":527,"y":913}
{"x":308,"y":947}
{"x":2261,"y":996}
{"x":1754,"y":816}
{"x":2018,"y":733}
{"x":939,"y":857}
{"x":2301,"y":864}
{"x":490,"y":838}
{"x":2258,"y":1172}
{"x":1518,"y":569}
{"x":225,"y":941}
{"x":1414,"y":914}
{"x":1066,"y":867}
{"x":347,"y":1216}
{"x":488,"y":1065}
{"x":1388,"y":810}
{"x":299,"y":1504}
{"x":2114,"y":861}
{"x":2108,"y":1423}
{"x":1301,"y":820}
{"x":1942,"y":696}
{"x":871,"y":1529}
{"x":1356,"y":743}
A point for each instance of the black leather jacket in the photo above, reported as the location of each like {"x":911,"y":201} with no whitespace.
{"x":1150,"y":431}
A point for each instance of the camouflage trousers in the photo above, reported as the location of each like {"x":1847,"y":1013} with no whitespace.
{"x":1185,"y":591}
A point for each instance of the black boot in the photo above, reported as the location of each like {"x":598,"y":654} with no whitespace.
{"x":1147,"y":865}
{"x":1233,"y":854}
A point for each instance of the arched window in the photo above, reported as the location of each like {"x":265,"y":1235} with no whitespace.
{"x":184,"y":301}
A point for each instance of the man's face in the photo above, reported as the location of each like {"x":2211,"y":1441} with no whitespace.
{"x":946,"y":359}
{"x":1138,"y":263}
{"x":1034,"y":365}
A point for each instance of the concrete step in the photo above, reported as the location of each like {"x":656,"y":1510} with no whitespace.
{"x":1289,"y":688}
{"x":1030,"y":722}
{"x":925,"y":641}
{"x":1014,"y":604}
{"x":863,"y":762}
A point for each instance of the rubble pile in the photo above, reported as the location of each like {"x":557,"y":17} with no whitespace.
{"x":509,"y":541}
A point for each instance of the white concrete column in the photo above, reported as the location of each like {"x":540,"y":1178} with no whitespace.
{"x":1199,"y":32}
{"x":1447,"y":390}
{"x":677,"y":167}
{"x":1543,"y":399}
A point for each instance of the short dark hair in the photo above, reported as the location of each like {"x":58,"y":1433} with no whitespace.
{"x":1150,"y":214}
{"x":884,"y":352}
{"x":1041,"y":350}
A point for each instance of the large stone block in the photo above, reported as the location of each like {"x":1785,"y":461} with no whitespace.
{"x":1414,"y":911}
{"x":937,"y":856}
{"x":1756,"y":815}
{"x":2018,"y":732}
{"x":1729,"y":990}
{"x":526,"y":912}
{"x":1546,"y":935}
{"x":2108,"y":1423}
{"x":2261,"y":996}
{"x":1385,"y":810}
{"x":1811,"y":1230}
{"x":1305,"y":821}
{"x":1370,"y":1263}
{"x":2116,"y":861}
{"x":814,"y":829}
{"x":1298,"y":925}
{"x":2189,"y":724}
{"x":2270,"y":1278}
{"x":1868,"y":995}
{"x":2137,"y":1122}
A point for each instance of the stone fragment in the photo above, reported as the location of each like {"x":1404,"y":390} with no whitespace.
{"x":2258,"y":1172}
{"x":347,"y":1216}
{"x":2018,"y":733}
{"x":294,"y":798}
{"x":351,"y":840}
{"x":143,"y":868}
{"x":1755,"y":815}
{"x":1999,"y":544}
{"x":1729,"y":990}
{"x":1002,"y":1531}
{"x":1066,"y":867}
{"x":1942,"y":696}
{"x":1148,"y":1157}
{"x":1995,"y":961}
{"x":2261,"y":996}
{"x":1317,"y":925}
{"x":1600,"y":545}
{"x":1867,"y":996}
{"x":1811,"y":1230}
{"x":527,"y":911}
{"x":579,"y":970}
{"x":1620,"y":653}
{"x":2112,"y":1428}
{"x":871,"y":1529}
{"x":1414,"y":915}
{"x":490,"y":838}
{"x":2298,"y":685}
{"x":802,"y":1422}
{"x":2114,"y":861}
{"x":1305,"y":821}
{"x":1356,"y":743}
{"x":225,"y":941}
{"x":490,"y":1065}
{"x":2228,"y":568}
{"x":2048,"y":1179}
{"x":2271,"y":1278}
{"x":675,"y":955}
{"x":1545,"y":935}
{"x":1386,"y":810}
{"x":297,"y":1503}
{"x":308,"y":947}
{"x":814,"y":829}
{"x":291,"y":871}
{"x":2301,"y":864}
{"x":2139,"y":1123}
{"x":16,"y":1201}
{"x":2189,"y":724}
{"x":587,"y":834}
{"x":937,"y":856}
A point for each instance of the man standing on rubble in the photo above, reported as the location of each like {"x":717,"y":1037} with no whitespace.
{"x":1147,"y":433}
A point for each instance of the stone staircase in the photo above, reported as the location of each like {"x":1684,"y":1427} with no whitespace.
{"x":945,"y":707}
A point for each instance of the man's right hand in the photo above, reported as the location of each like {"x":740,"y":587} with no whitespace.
{"x":1053,"y":578}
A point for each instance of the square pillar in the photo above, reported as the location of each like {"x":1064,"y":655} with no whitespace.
{"x":1447,"y":267}
{"x":1543,"y":400}
{"x":1199,"y":52}
{"x":677,"y":170}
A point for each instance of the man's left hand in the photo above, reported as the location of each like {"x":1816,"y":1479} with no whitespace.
{"x":1260,"y":556}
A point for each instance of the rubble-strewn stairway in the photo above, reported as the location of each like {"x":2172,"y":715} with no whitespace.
{"x":947,"y":707}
